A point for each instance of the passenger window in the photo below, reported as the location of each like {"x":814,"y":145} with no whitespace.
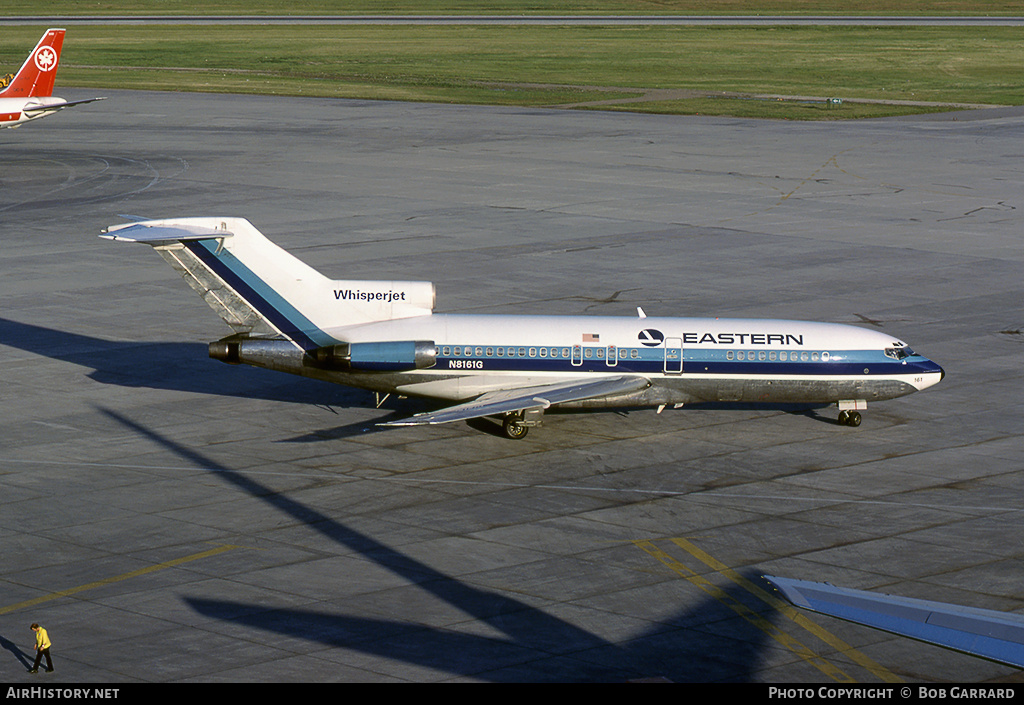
{"x":588,"y":352}
{"x":543,"y":352}
{"x":740,"y":355}
{"x":490,"y":352}
{"x":522,"y":352}
{"x":803,"y":357}
{"x":783,"y":355}
{"x":761,"y":355}
{"x":634,"y":353}
{"x":533,"y":352}
{"x":772,"y":355}
{"x":814,"y":357}
{"x":730,"y":355}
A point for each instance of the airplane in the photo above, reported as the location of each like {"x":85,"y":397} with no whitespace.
{"x":29,"y":94}
{"x":384,"y":336}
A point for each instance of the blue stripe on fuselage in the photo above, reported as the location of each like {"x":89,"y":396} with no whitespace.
{"x":865,"y":365}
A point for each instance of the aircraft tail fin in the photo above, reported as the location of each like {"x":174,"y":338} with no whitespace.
{"x":259,"y":289}
{"x":36,"y":76}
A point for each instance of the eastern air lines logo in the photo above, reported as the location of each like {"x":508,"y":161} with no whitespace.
{"x":651,"y":337}
{"x":46,"y":59}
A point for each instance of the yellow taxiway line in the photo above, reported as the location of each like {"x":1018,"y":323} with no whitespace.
{"x":116,"y":579}
{"x":776,"y":603}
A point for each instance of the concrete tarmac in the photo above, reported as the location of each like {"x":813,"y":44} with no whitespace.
{"x":173,"y":519}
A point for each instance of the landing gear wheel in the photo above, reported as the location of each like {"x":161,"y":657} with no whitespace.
{"x":849,"y":418}
{"x":514,"y":429}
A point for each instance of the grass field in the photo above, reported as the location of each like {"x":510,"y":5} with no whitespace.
{"x":714,"y":70}
{"x":515,"y":7}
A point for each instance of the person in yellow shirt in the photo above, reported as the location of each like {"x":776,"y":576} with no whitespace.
{"x":42,"y":649}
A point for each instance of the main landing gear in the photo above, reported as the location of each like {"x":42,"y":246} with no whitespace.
{"x":514,"y":428}
{"x":849,"y":418}
{"x":849,"y":411}
{"x":517,"y":424}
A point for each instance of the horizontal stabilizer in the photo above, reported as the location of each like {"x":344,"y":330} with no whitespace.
{"x":538,"y":397}
{"x":998,"y":636}
{"x":30,"y":109}
{"x":157,"y":234}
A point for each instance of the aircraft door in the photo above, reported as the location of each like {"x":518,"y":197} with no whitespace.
{"x":612,"y":357}
{"x":577,"y":355}
{"x":673,"y":356}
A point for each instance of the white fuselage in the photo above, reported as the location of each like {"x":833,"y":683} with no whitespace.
{"x":686,"y":359}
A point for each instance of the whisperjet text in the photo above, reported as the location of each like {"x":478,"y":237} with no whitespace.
{"x":357,"y":295}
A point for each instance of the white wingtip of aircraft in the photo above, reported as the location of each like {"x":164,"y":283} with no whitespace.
{"x":29,"y":94}
{"x":998,"y":636}
{"x":384,"y":336}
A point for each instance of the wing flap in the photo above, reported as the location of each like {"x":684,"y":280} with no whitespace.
{"x":520,"y":399}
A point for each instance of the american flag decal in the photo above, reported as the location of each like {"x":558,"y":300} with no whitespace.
{"x":591,"y":338}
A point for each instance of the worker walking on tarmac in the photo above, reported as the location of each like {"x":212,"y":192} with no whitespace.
{"x":42,"y":649}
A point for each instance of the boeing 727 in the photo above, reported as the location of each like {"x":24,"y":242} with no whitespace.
{"x":384,"y":336}
{"x":29,"y":94}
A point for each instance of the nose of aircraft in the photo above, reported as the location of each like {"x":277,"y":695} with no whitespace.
{"x":930,"y":369}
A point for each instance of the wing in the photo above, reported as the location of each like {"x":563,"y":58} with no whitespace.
{"x":998,"y":636}
{"x":523,"y":398}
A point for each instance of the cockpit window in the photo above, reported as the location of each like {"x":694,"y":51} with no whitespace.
{"x":899,"y":353}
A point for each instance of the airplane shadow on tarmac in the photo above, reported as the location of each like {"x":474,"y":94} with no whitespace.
{"x":184,"y":367}
{"x":705,"y":643}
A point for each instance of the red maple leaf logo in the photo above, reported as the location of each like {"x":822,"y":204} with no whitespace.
{"x":46,"y":59}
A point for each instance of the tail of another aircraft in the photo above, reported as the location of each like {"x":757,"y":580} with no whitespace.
{"x":36,"y":76}
{"x":261,"y":290}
